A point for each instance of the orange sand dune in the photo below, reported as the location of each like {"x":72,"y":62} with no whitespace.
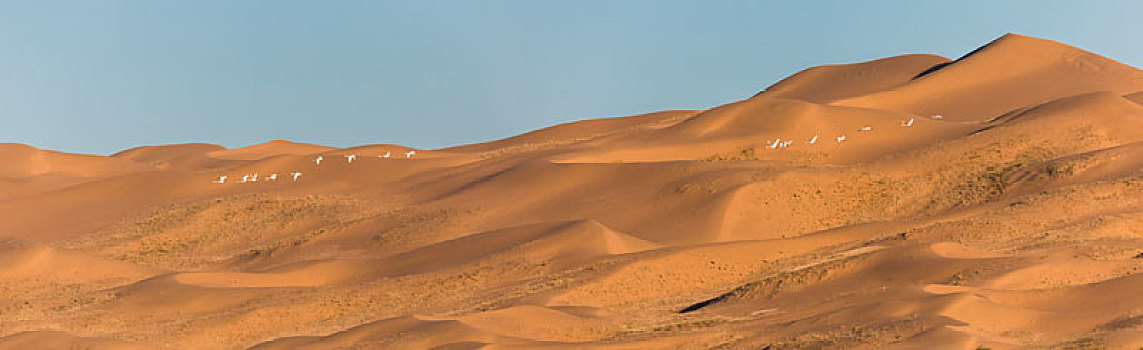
{"x":63,"y":340}
{"x":28,"y":170}
{"x":1021,"y":70}
{"x":824,"y":84}
{"x":24,"y":161}
{"x":267,"y":149}
{"x":148,"y":154}
{"x":1013,"y":221}
{"x":181,"y":156}
{"x":574,"y":132}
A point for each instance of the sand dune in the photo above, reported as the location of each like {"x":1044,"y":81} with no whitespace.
{"x":63,"y":340}
{"x":162,"y":152}
{"x":271,"y":148}
{"x":411,"y":333}
{"x":1014,"y":221}
{"x":190,"y":156}
{"x":1024,"y":70}
{"x":575,"y":132}
{"x":824,"y":84}
{"x":25,"y":161}
{"x":28,"y":170}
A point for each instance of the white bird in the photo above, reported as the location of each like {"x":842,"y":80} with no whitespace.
{"x":296,"y":175}
{"x":317,"y":161}
{"x":907,"y":123}
{"x":937,"y":117}
{"x":787,"y":143}
{"x":272,"y":177}
{"x":245,"y":178}
{"x":840,"y":138}
{"x":777,"y":142}
{"x":410,"y":154}
{"x":813,"y":140}
{"x":349,"y":158}
{"x":866,"y":128}
{"x":221,"y":180}
{"x":386,"y":155}
{"x":254,"y":178}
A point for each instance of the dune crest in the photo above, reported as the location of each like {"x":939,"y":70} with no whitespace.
{"x":1023,"y":70}
{"x":824,"y":84}
{"x":267,"y":149}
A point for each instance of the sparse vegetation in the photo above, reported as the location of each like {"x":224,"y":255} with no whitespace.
{"x":196,"y":235}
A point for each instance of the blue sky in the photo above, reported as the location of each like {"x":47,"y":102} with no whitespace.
{"x":98,"y":77}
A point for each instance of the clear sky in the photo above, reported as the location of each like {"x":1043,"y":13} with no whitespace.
{"x":102,"y":76}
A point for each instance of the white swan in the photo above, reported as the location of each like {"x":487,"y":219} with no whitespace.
{"x":813,"y":140}
{"x":272,"y":177}
{"x":386,"y":155}
{"x":349,"y":158}
{"x":777,"y":142}
{"x":907,"y":122}
{"x":317,"y":161}
{"x":937,"y":117}
{"x":221,"y":180}
{"x":410,"y":154}
{"x":866,"y":128}
{"x":840,"y":138}
{"x":296,"y":175}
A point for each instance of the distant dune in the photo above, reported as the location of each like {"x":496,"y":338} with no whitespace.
{"x":1011,"y":72}
{"x":912,"y":202}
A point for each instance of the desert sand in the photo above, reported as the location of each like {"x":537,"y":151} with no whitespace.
{"x":992,"y":201}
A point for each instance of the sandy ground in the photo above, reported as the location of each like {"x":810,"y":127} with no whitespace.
{"x":993,"y":201}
